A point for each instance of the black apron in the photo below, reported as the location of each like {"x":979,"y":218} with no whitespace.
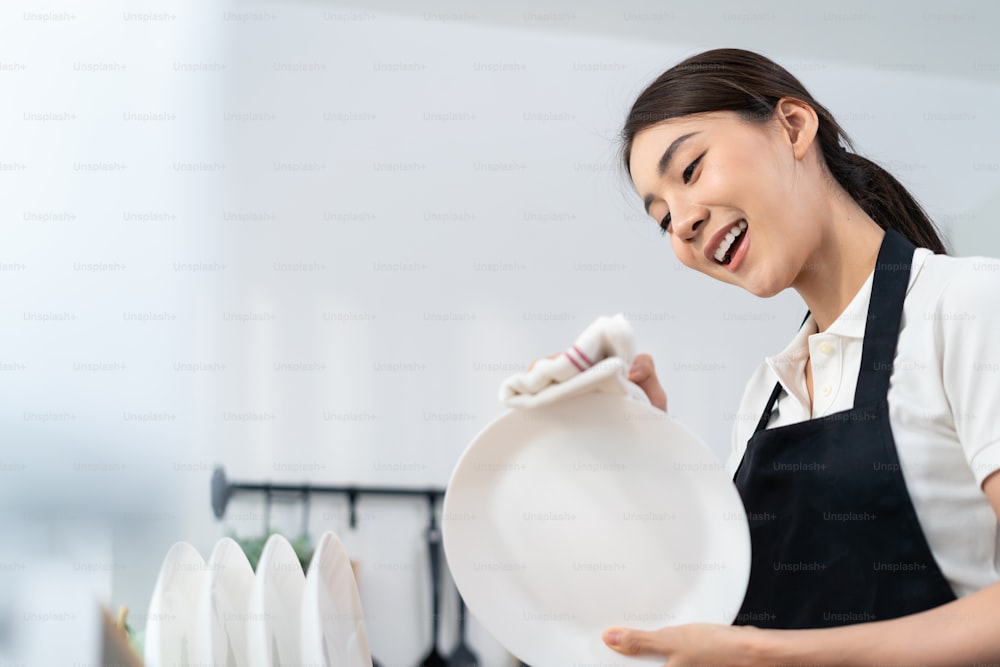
{"x":834,"y":535}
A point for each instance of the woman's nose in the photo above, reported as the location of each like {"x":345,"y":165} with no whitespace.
{"x":687,"y":228}
{"x":688,"y":217}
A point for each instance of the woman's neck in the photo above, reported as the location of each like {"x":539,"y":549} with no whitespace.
{"x":841,"y":263}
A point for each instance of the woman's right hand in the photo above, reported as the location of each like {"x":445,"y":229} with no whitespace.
{"x":643,"y":373}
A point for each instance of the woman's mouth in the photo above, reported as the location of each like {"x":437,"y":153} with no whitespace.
{"x":730,"y":243}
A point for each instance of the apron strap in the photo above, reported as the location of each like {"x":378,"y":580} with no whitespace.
{"x":765,"y":418}
{"x":885,"y":313}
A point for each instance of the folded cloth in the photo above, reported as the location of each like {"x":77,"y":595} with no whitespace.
{"x":599,"y":360}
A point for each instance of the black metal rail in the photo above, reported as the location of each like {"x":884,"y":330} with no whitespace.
{"x":223,"y":489}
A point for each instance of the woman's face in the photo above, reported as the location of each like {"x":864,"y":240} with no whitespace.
{"x":739,"y":201}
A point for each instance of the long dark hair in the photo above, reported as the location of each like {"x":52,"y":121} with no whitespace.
{"x":751,"y":85}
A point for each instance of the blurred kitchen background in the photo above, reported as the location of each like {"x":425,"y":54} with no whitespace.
{"x":307,"y":240}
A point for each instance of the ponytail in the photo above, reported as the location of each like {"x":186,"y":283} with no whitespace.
{"x":884,"y":199}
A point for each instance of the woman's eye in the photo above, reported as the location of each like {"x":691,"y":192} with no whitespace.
{"x":689,"y":172}
{"x":665,"y":225}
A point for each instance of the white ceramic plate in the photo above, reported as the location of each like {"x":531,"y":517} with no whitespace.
{"x":224,"y":607}
{"x":593,"y":512}
{"x":275,"y":606}
{"x":170,"y":628}
{"x":333,"y":622}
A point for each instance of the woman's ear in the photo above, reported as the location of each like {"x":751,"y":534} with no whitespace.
{"x":799,"y":122}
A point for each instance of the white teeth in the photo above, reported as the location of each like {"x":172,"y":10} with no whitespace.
{"x":731,"y":237}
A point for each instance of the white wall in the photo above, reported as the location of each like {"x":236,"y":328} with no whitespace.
{"x":344,"y":225}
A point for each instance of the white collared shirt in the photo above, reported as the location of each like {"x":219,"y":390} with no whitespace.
{"x":944,"y":401}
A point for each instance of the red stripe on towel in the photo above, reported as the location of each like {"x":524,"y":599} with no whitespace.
{"x":574,"y":362}
{"x":583,"y":356}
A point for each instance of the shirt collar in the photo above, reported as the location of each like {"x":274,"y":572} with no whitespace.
{"x":851,"y":322}
{"x":789,"y":364}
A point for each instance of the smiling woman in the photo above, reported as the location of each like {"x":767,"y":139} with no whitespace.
{"x":853,"y":489}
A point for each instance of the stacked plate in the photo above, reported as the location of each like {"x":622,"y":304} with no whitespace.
{"x":220,"y":613}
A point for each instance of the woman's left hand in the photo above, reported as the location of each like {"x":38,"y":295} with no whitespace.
{"x":692,"y":644}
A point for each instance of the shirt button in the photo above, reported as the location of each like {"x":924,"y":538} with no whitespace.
{"x":827,"y":390}
{"x":826,"y":348}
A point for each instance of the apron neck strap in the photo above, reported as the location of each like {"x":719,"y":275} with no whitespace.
{"x":885,"y":313}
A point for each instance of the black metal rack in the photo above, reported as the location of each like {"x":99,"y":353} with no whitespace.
{"x":224,"y":489}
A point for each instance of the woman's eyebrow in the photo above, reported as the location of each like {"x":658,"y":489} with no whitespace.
{"x":664,"y":163}
{"x":668,"y":154}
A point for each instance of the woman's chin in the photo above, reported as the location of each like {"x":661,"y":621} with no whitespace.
{"x":764,"y":289}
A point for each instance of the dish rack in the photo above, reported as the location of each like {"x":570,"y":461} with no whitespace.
{"x":221,"y":611}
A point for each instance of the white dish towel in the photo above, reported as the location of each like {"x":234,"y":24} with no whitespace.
{"x":599,"y":360}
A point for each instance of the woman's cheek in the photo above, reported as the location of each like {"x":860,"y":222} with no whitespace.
{"x":682,"y":251}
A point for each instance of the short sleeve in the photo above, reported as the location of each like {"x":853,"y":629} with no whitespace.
{"x":967,"y":318}
{"x":733,"y":460}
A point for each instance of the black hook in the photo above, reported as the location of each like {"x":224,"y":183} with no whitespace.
{"x":267,"y":510}
{"x":352,"y":515}
{"x":431,"y":498}
{"x":305,"y":510}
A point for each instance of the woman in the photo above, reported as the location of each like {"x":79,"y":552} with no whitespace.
{"x":868,"y":478}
